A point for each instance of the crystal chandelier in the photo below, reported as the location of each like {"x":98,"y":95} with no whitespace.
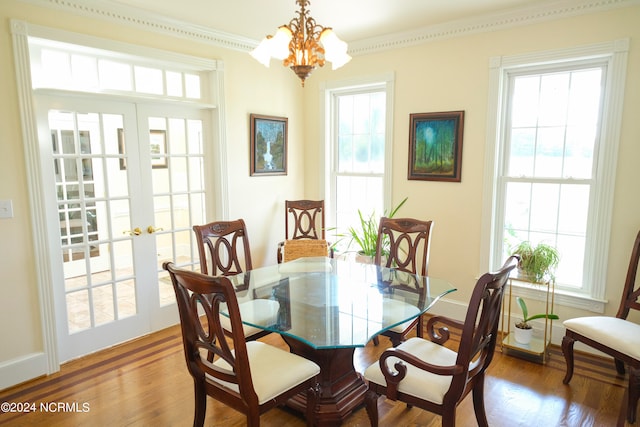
{"x":303,"y":45}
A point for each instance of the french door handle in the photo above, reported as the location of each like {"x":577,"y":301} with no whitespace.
{"x":135,"y":232}
{"x":151,"y":229}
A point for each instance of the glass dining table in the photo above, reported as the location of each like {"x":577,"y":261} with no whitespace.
{"x":325,"y":308}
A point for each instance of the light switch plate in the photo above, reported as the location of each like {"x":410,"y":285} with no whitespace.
{"x":6,"y":209}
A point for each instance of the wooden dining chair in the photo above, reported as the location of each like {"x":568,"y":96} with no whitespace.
{"x":251,"y":377}
{"x":614,"y":336}
{"x":425,"y":373}
{"x":403,"y":244}
{"x":223,"y":248}
{"x":303,"y":223}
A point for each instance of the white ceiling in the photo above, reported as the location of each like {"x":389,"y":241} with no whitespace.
{"x":352,"y":20}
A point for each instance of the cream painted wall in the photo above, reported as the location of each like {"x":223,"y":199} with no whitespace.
{"x":452,"y":75}
{"x":437,"y":76}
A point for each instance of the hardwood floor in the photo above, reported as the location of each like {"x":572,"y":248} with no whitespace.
{"x":145,"y":383}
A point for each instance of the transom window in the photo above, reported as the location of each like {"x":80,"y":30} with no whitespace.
{"x":69,"y":67}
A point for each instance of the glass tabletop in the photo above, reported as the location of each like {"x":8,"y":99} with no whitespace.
{"x":331,"y":303}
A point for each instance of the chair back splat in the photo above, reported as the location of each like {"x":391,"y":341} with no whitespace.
{"x":251,"y":377}
{"x":403,"y":244}
{"x":304,"y":219}
{"x":427,"y":374}
{"x":614,"y":336}
{"x":223,"y":247}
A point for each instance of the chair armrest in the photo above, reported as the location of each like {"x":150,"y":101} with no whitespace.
{"x":394,"y":378}
{"x":441,"y":335}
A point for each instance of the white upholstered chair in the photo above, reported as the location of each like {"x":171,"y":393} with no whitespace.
{"x":251,"y":377}
{"x":224,"y":250}
{"x":614,"y":336}
{"x":425,"y":373}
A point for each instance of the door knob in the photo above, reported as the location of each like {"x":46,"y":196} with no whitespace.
{"x":151,"y":229}
{"x":135,"y":232}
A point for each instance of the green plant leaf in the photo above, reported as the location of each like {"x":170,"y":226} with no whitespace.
{"x":525,"y":313}
{"x":523,"y":307}
{"x":366,"y":235}
{"x":542,"y":316}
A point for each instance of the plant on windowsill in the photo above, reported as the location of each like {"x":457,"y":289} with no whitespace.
{"x":537,"y":263}
{"x":366,"y":235}
{"x":524,"y":331}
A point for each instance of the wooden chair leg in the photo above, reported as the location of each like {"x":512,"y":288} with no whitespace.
{"x":371,"y":402}
{"x":619,"y":366}
{"x":449,"y":418}
{"x":634,"y":393}
{"x":478,"y":402}
{"x":200,"y":404}
{"x":567,"y":350}
{"x":420,"y":327}
{"x":376,"y":340}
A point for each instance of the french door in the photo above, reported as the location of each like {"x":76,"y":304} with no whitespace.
{"x":126,"y":186}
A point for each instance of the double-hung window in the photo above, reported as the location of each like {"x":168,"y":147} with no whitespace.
{"x":357,"y":156}
{"x":552,"y":170}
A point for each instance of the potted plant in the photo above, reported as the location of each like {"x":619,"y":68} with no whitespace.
{"x":365,"y":236}
{"x":537,"y":263}
{"x":524,"y":331}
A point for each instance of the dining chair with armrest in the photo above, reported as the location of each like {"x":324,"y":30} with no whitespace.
{"x":407,"y":240}
{"x":427,"y":374}
{"x":303,"y":224}
{"x":224,"y":250}
{"x":251,"y":377}
{"x":616,"y":336}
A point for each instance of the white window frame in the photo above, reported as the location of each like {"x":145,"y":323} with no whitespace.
{"x":327,"y":155}
{"x":614,"y":55}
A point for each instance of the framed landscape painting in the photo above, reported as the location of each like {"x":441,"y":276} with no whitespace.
{"x":268,"y":140}
{"x":435,"y":146}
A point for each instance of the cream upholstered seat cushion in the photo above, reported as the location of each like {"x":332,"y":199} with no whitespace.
{"x":258,"y":312}
{"x":273,"y":370}
{"x":418,"y":383}
{"x":618,"y":334}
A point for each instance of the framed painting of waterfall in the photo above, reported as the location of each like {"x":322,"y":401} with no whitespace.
{"x":435,"y":146}
{"x":268,"y":145}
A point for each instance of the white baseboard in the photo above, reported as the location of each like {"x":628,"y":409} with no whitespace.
{"x":22,"y":369}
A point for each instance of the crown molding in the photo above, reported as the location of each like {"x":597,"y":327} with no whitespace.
{"x":136,"y":18}
{"x":485,"y":23}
